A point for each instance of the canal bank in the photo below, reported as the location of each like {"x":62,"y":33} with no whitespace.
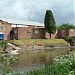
{"x":29,"y":44}
{"x":33,"y":59}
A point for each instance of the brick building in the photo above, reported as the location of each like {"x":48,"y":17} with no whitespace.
{"x":28,"y":32}
{"x":5,"y":29}
{"x":19,"y":29}
{"x":61,"y":33}
{"x":26,"y":29}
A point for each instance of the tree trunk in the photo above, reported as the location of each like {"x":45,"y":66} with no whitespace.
{"x":50,"y":35}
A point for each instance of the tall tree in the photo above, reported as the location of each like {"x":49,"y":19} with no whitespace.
{"x":49,"y":23}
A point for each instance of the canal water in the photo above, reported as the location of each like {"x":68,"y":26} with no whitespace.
{"x":33,"y":59}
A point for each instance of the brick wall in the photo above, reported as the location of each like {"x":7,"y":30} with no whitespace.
{"x":53,"y":36}
{"x":60,"y":34}
{"x":72,"y":32}
{"x":29,"y":32}
{"x":23,"y":32}
{"x":6,"y":30}
{"x":39,"y":33}
{"x":32,"y":32}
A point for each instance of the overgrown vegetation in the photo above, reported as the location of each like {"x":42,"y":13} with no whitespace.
{"x":71,"y":40}
{"x":62,"y":65}
{"x":6,"y":59}
{"x":66,"y":26}
{"x":3,"y":44}
{"x":39,"y":42}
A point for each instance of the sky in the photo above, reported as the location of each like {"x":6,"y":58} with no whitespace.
{"x":34,"y":10}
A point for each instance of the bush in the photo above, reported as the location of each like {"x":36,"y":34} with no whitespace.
{"x":71,"y":40}
{"x":3,"y":44}
{"x":66,"y":26}
{"x":63,"y":65}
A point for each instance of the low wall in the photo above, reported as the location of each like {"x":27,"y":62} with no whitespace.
{"x":40,"y":43}
{"x":39,"y":47}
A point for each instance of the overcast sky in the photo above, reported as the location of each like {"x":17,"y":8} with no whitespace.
{"x":34,"y":10}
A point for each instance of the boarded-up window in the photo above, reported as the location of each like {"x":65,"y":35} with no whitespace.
{"x":29,"y":31}
{"x":36,"y":31}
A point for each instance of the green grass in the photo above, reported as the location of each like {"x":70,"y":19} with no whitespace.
{"x":40,"y":42}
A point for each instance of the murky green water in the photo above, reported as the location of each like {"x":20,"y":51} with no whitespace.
{"x":29,"y":59}
{"x":32,"y":59}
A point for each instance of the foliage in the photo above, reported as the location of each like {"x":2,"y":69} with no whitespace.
{"x":3,"y":44}
{"x":71,"y":40}
{"x":63,"y":65}
{"x":39,"y":42}
{"x":57,"y":27}
{"x":6,"y":62}
{"x":6,"y":59}
{"x":66,"y":26}
{"x":49,"y":22}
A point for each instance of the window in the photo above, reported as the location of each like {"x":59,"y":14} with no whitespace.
{"x":36,"y":31}
{"x":29,"y":31}
{"x":72,"y":30}
{"x":1,"y":28}
{"x":15,"y":31}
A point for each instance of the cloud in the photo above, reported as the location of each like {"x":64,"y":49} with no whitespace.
{"x":34,"y":10}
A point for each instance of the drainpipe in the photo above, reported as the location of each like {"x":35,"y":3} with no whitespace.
{"x":17,"y":31}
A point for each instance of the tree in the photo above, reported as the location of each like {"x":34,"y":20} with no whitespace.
{"x":49,"y":23}
{"x":66,"y":26}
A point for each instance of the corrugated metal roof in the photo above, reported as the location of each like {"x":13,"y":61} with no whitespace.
{"x":19,"y":25}
{"x":22,"y":22}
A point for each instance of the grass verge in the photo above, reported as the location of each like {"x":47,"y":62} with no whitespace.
{"x":40,"y":42}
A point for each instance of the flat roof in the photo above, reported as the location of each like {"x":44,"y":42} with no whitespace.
{"x":22,"y":22}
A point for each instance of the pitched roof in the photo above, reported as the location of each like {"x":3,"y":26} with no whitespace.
{"x":22,"y":22}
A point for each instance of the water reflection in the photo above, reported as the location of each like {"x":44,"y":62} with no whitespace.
{"x":30,"y":59}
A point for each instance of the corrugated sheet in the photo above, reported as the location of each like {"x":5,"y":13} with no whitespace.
{"x":22,"y":22}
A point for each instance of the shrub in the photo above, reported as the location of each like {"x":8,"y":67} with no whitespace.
{"x":71,"y":40}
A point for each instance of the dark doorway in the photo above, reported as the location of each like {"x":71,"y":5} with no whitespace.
{"x":11,"y":35}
